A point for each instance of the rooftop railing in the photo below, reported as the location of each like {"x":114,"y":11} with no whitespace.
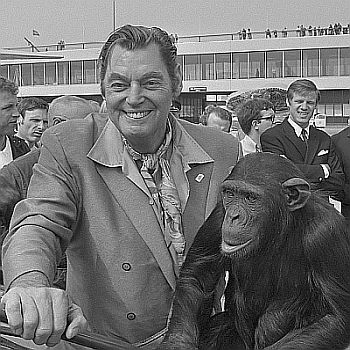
{"x":272,"y":34}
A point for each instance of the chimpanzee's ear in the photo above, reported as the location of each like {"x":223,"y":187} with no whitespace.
{"x":297,"y":192}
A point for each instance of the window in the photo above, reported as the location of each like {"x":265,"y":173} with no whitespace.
{"x":180,"y":61}
{"x":223,"y":65}
{"x":292,"y":63}
{"x":240,"y":65}
{"x":321,"y":108}
{"x":329,"y":62}
{"x":329,"y":109}
{"x":346,"y":109}
{"x":38,"y":73}
{"x":50,"y":73}
{"x":345,"y":61}
{"x":192,"y":67}
{"x":4,"y":71}
{"x":207,"y":64}
{"x":89,"y":72}
{"x":76,"y":72}
{"x":62,"y":72}
{"x":274,"y":64}
{"x":310,"y":63}
{"x":338,"y":110}
{"x":27,"y":74}
{"x":14,"y":74}
{"x":256,"y":65}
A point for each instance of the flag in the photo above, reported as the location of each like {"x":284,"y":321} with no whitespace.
{"x":35,"y":32}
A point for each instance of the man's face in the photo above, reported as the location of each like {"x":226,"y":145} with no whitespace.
{"x":138,"y":93}
{"x":216,"y":122}
{"x":302,"y":107}
{"x":32,"y":126}
{"x":8,"y":113}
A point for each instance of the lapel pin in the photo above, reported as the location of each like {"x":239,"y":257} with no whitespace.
{"x":199,"y":177}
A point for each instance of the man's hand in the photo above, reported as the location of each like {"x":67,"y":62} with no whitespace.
{"x":42,"y":314}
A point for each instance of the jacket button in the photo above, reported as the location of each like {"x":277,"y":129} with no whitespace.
{"x":131,"y":316}
{"x":126,"y":266}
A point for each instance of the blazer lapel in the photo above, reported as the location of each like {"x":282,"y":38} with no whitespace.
{"x":313,"y":147}
{"x":137,"y":206}
{"x":297,"y":143}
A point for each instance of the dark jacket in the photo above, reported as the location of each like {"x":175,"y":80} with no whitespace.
{"x":282,"y":140}
{"x":342,"y":146}
{"x":14,"y":182}
{"x":18,"y":146}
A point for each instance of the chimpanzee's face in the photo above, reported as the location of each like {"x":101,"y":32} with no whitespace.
{"x":243,"y":203}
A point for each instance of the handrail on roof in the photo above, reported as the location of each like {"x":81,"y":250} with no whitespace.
{"x":284,"y":34}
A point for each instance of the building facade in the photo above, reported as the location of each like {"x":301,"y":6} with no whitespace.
{"x":213,"y":66}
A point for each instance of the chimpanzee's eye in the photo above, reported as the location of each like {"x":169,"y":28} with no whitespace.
{"x":228,"y":194}
{"x":250,"y":197}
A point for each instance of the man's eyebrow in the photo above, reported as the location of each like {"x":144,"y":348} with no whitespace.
{"x":116,"y":76}
{"x":8,"y":105}
{"x":149,"y":75}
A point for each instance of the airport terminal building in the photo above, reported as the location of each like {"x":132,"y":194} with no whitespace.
{"x":213,"y":66}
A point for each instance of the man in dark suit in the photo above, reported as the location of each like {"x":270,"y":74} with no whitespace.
{"x":342,"y":145}
{"x":312,"y":150}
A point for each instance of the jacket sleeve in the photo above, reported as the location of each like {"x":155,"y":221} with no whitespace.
{"x":272,"y":143}
{"x":335,"y":183}
{"x":42,"y":224}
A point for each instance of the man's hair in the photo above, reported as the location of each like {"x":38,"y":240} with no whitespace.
{"x":250,"y":110}
{"x":132,"y":37}
{"x":302,"y":87}
{"x":8,"y":85}
{"x":30,"y":104}
{"x":220,"y":112}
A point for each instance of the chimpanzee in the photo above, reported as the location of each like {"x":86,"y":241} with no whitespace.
{"x":287,"y":254}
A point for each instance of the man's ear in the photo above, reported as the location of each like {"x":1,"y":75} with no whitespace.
{"x":297,"y":192}
{"x":20,"y":119}
{"x":255,"y":123}
{"x":177,"y":88}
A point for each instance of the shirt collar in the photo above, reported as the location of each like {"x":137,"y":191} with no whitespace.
{"x":297,"y":128}
{"x":102,"y":152}
{"x":248,"y":145}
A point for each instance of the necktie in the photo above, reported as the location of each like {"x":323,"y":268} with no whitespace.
{"x":304,"y":135}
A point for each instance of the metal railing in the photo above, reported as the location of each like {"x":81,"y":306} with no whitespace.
{"x":285,"y":34}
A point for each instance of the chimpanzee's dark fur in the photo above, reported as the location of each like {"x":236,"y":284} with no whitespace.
{"x":289,"y":287}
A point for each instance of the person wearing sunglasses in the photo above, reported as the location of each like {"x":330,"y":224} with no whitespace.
{"x":254,"y":116}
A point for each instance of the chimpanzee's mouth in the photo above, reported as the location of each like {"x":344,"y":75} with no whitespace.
{"x":229,"y":248}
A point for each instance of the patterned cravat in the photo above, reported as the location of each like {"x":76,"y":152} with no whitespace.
{"x":167,"y":196}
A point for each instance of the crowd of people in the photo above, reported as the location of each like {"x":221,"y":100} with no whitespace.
{"x":301,"y":31}
{"x":98,"y":210}
{"x":310,"y":30}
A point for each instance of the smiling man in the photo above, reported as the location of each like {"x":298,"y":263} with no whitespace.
{"x":311,"y":149}
{"x":123,"y":195}
{"x":10,"y":148}
{"x":32,"y":120}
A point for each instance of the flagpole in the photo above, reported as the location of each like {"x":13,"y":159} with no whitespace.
{"x":114,"y":7}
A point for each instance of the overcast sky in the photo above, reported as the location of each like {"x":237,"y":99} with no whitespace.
{"x":92,"y":20}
